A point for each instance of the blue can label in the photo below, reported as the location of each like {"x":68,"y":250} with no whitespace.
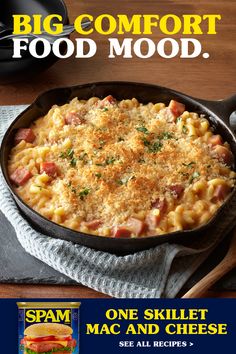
{"x":48,"y":327}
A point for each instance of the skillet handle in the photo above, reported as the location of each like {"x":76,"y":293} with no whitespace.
{"x":225,"y":109}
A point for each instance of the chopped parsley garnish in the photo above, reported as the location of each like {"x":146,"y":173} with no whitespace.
{"x":166,"y":136}
{"x":153,"y":147}
{"x":157,"y":144}
{"x":98,"y":175}
{"x":146,"y":142}
{"x":195,"y":175}
{"x":69,"y":154}
{"x":184,"y":129}
{"x":72,"y":188}
{"x":73,"y":162}
{"x":105,"y":109}
{"x":83,"y":193}
{"x":190,"y":164}
{"x":110,"y":160}
{"x":100,"y":164}
{"x":142,"y":130}
{"x":63,"y":155}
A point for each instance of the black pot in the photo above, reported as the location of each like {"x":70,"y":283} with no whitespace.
{"x":13,"y":70}
{"x":218,"y":113}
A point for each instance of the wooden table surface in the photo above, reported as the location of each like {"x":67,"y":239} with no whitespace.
{"x":212,"y":79}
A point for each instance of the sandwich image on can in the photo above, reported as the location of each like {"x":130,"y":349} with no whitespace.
{"x":48,"y":338}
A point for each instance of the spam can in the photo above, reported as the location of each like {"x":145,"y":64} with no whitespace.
{"x":48,"y":327}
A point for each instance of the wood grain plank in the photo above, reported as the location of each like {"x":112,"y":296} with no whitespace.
{"x":47,"y":291}
{"x":72,"y":292}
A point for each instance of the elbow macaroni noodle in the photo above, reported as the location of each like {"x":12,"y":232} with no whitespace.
{"x":119,"y":163}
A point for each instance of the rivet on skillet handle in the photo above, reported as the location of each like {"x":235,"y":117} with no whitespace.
{"x":225,"y":109}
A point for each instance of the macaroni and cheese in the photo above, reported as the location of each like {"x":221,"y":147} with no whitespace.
{"x":122,"y":168}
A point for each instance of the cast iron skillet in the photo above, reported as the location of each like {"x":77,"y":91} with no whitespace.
{"x":218,"y":113}
{"x":12,"y":70}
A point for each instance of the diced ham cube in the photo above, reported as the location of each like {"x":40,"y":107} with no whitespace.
{"x":215,"y":140}
{"x":176,"y":190}
{"x":109,"y":99}
{"x":136,"y":226}
{"x":25,"y":134}
{"x":20,"y":176}
{"x":176,"y":108}
{"x":74,"y":118}
{"x":221,"y":192}
{"x":153,"y":219}
{"x":224,"y":154}
{"x":121,"y":232}
{"x":106,"y":101}
{"x":93,"y":225}
{"x":160,"y":204}
{"x":50,"y":168}
{"x":169,"y":115}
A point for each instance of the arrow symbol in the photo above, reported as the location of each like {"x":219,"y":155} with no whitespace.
{"x":190,"y":344}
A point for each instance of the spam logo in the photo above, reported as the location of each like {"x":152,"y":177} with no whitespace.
{"x":48,"y":315}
